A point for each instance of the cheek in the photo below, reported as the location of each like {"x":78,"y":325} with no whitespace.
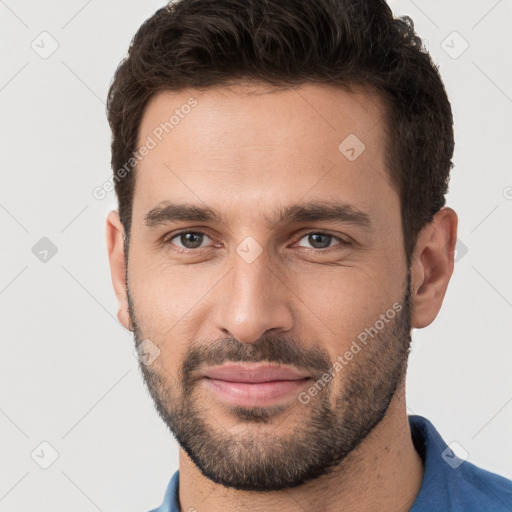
{"x":339,"y":304}
{"x":171,"y":301}
{"x":163,"y":290}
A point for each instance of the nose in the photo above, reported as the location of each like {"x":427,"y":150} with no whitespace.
{"x":253,"y":300}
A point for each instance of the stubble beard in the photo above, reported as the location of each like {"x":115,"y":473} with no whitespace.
{"x":267,"y":456}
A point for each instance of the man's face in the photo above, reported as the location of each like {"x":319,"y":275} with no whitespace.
{"x":301,"y":266}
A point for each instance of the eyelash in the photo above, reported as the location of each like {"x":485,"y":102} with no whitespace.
{"x":168,"y":241}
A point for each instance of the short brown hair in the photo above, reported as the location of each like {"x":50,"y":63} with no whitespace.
{"x":201,"y":43}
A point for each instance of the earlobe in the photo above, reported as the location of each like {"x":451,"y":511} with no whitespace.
{"x":432,"y":266}
{"x":115,"y":248}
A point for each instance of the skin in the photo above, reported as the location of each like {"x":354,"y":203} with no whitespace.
{"x":244,"y":151}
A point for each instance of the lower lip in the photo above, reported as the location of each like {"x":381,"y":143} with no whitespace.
{"x":259,"y":394}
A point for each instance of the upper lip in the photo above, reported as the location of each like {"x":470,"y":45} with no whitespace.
{"x":253,"y":373}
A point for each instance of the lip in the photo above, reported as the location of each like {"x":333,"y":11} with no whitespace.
{"x":253,"y":373}
{"x":253,"y":385}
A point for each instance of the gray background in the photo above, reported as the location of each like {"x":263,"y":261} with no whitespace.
{"x":68,"y":373}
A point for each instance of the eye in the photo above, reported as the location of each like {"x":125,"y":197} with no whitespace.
{"x":321,"y":240}
{"x":188,"y":239}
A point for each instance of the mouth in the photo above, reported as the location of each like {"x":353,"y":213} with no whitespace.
{"x":254,"y":385}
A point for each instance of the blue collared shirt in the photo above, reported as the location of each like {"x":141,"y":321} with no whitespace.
{"x":449,"y":484}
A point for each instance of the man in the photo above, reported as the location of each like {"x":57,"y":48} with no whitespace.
{"x":281,"y":170}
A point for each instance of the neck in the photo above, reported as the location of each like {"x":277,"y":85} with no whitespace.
{"x":383,"y":473}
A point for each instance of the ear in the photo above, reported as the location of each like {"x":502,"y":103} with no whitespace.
{"x":115,"y":234}
{"x":432,"y":266}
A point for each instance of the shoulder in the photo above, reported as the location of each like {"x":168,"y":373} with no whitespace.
{"x":170,"y":502}
{"x":484,"y":490}
{"x":451,"y":484}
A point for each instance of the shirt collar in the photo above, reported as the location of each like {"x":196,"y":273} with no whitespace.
{"x":438,"y":459}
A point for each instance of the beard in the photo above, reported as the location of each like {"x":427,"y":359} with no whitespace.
{"x":328,"y":428}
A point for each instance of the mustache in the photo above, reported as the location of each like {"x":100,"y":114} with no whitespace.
{"x":282,"y":350}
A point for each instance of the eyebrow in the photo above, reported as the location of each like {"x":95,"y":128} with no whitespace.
{"x":171,"y":212}
{"x":329,"y":211}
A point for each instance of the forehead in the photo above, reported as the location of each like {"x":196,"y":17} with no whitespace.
{"x":248,"y":148}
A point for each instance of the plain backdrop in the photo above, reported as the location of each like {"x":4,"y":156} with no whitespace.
{"x":68,"y":374}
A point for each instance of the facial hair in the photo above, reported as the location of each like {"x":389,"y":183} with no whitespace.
{"x":329,"y":428}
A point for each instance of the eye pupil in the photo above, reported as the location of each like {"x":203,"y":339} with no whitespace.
{"x":317,"y":243}
{"x":191,"y":240}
